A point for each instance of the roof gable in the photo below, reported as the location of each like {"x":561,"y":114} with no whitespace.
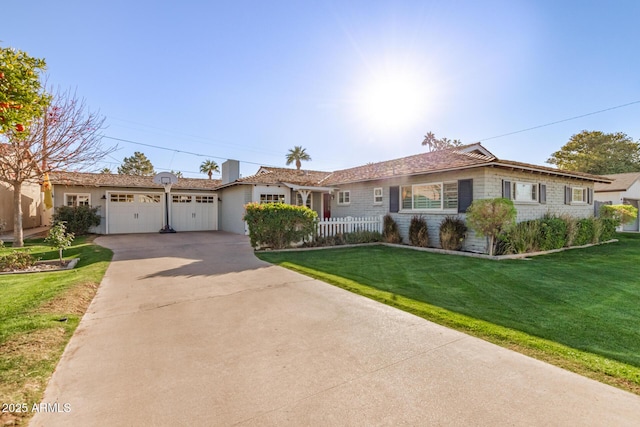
{"x":621,"y":182}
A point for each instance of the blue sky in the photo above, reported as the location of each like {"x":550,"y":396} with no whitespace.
{"x":351,"y":81}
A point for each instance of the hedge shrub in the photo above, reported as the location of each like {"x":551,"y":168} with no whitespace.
{"x":622,"y":213}
{"x":278,"y":225}
{"x":78,"y":219}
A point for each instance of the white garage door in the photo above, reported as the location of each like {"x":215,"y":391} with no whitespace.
{"x":134,"y":212}
{"x":194,"y":212}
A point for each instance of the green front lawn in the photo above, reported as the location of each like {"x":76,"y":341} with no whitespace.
{"x":548,"y":306}
{"x":38,"y":314}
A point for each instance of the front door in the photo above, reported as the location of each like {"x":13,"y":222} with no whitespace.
{"x":326,"y":205}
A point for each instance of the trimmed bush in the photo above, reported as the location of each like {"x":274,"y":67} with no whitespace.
{"x":553,"y":233}
{"x":418,"y":235}
{"x":78,"y":219}
{"x":585,"y":233}
{"x":16,"y":260}
{"x":452,"y":233}
{"x":390,"y":232}
{"x":278,"y":225}
{"x":490,"y":217}
{"x":609,"y":226}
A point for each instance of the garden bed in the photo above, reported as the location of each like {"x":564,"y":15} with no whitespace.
{"x":45,"y":266}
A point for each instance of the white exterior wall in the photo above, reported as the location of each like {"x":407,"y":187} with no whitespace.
{"x":231,"y":208}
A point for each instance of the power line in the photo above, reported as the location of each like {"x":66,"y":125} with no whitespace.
{"x":177,"y":151}
{"x":561,"y":121}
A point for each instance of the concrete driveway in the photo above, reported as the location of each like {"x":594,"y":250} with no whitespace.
{"x":191,"y":329}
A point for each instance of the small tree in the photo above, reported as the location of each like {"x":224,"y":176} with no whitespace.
{"x":622,"y":214}
{"x":138,"y":164}
{"x":58,"y":238}
{"x":489,"y":217}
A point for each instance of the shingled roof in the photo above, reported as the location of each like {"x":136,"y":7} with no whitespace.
{"x":272,"y":175}
{"x":621,"y":182}
{"x":85,"y":179}
{"x":435,"y":161}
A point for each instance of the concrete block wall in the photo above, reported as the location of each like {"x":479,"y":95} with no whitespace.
{"x":487,"y":184}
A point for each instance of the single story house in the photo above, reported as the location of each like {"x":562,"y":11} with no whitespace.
{"x":624,"y":189}
{"x":135,"y":204}
{"x":433,"y":185}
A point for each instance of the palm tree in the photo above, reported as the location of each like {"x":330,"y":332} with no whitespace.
{"x":430,"y":140}
{"x":297,"y":154}
{"x":209,"y":167}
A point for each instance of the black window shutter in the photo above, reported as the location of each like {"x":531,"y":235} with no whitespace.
{"x":567,"y":195}
{"x":394,"y":199}
{"x":465,"y":194}
{"x":543,"y":193}
{"x":506,"y":189}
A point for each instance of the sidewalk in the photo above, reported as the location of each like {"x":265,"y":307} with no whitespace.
{"x":28,"y":233}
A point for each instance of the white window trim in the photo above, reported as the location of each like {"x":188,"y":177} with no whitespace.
{"x":427,"y":210}
{"x":585,"y":196}
{"x":281,"y":198}
{"x":88,"y":195}
{"x":534,"y":185}
{"x":375,"y":196}
{"x":343,"y":192}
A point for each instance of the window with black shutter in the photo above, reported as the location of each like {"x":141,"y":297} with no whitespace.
{"x":506,"y":189}
{"x":543,"y":193}
{"x":465,"y":194}
{"x":394,"y":199}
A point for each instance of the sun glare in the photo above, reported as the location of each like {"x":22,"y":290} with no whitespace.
{"x":392,"y":100}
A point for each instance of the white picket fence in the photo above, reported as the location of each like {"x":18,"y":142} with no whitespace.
{"x":333,"y":226}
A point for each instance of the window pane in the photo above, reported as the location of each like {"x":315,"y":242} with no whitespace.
{"x":427,"y":196}
{"x":577,"y":195}
{"x":406,"y":197}
{"x":451,"y":195}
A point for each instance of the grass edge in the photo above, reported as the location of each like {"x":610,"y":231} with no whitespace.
{"x":596,"y":367}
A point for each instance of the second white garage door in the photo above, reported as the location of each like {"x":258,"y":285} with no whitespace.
{"x":194,"y":212}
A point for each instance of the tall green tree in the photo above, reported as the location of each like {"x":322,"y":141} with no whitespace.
{"x":138,"y":164}
{"x":297,"y":154}
{"x":598,"y":153}
{"x":22,"y":98}
{"x":209,"y":167}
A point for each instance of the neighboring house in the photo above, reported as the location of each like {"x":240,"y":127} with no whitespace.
{"x":135,"y":204}
{"x":31,"y":205}
{"x":31,"y":197}
{"x":625,"y":189}
{"x":433,"y":185}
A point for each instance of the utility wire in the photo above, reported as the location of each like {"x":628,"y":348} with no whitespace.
{"x":177,"y":151}
{"x":560,"y":121}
